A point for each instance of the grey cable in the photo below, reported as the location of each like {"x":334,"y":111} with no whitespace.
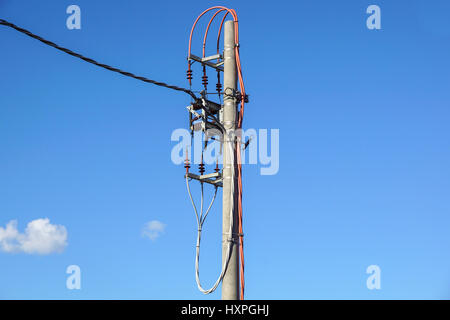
{"x":200,"y":221}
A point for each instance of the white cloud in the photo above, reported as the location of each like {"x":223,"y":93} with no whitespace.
{"x":40,"y":237}
{"x":153,"y":229}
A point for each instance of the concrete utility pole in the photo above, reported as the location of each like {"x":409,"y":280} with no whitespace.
{"x":230,"y":282}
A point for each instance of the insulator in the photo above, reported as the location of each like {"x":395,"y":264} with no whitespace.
{"x":201,"y":168}
{"x":186,"y":163}
{"x":218,"y":84}
{"x":217,"y":166}
{"x":205,"y":81}
{"x":205,"y":78}
{"x":189,"y":75}
{"x":218,"y":87}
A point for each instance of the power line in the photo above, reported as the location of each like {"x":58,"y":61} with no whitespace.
{"x":92,"y":61}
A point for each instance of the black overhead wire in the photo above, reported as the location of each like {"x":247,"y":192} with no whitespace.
{"x":105,"y":66}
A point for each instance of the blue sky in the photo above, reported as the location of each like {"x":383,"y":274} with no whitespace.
{"x":364,"y":150}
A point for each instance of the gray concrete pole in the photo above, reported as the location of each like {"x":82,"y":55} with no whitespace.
{"x":230,"y":282}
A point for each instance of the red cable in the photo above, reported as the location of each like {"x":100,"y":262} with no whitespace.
{"x":220,"y":29}
{"x":207,"y":28}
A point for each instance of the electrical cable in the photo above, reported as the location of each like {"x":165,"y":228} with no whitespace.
{"x":201,"y":218}
{"x":89,"y":60}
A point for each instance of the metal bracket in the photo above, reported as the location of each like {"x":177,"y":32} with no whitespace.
{"x":192,"y":110}
{"x":236,"y":95}
{"x":212,"y":178}
{"x":207,"y":61}
{"x":213,"y":57}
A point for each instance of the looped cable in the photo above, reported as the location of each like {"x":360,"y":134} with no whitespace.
{"x":201,"y":218}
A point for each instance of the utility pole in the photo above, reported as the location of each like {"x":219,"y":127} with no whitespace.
{"x":230,"y":282}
